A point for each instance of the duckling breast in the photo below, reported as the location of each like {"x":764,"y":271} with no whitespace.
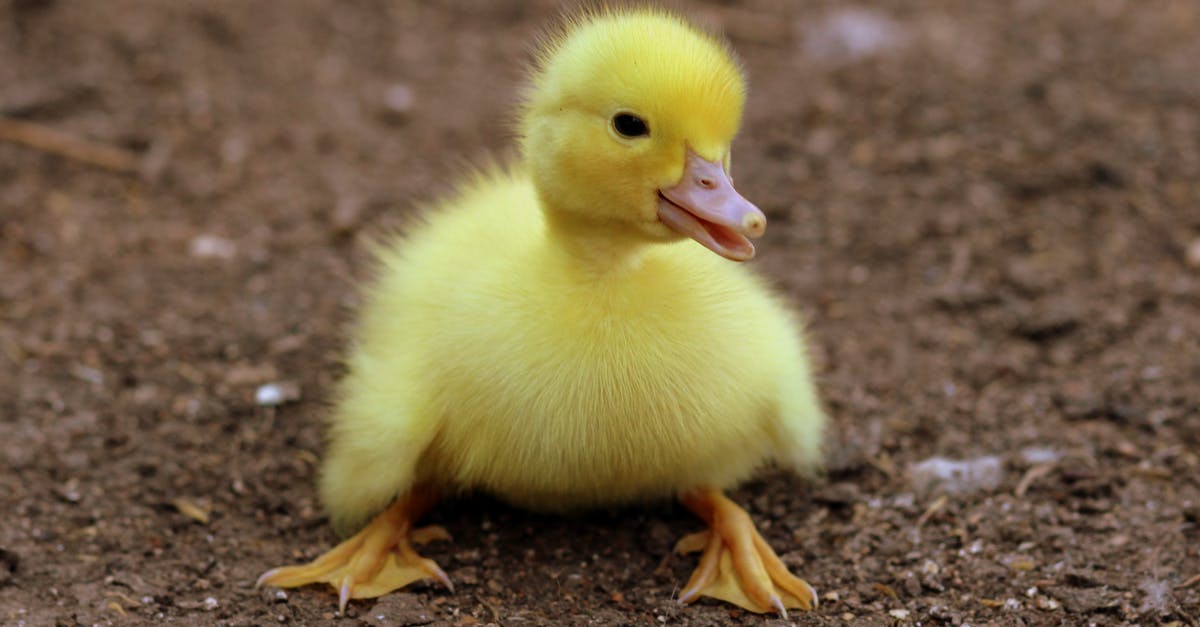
{"x":569,"y":398}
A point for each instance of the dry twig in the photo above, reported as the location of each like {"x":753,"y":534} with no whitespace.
{"x":933,"y":508}
{"x":1031,"y":475}
{"x":59,"y":143}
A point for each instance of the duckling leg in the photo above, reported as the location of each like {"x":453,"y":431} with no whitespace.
{"x":737,"y":565}
{"x":376,"y":560}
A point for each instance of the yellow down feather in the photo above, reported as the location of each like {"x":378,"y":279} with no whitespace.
{"x":543,"y":338}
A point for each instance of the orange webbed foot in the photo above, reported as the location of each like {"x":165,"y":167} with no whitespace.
{"x":737,"y":565}
{"x":375,"y":561}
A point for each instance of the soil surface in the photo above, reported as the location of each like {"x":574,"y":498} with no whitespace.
{"x":988,"y":212}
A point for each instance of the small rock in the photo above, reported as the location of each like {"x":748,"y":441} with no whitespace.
{"x":211,"y":604}
{"x":212,"y":246}
{"x":945,"y":614}
{"x":1039,"y":455}
{"x":88,"y":374}
{"x":69,"y":491}
{"x":277,"y":393}
{"x":396,"y":103}
{"x":850,"y":34}
{"x":938,"y":474}
{"x":931,"y":581}
{"x":1046,"y":604}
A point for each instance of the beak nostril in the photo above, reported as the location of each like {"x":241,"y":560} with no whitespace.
{"x":706,"y":183}
{"x":754,"y":225}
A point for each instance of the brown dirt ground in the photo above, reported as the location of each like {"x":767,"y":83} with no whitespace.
{"x":993,"y":227}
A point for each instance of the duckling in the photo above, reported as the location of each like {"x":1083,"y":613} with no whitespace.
{"x":553,"y":335}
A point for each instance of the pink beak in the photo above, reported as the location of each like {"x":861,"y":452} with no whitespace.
{"x":704,"y":206}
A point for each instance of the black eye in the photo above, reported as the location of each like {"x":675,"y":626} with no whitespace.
{"x":629,"y":125}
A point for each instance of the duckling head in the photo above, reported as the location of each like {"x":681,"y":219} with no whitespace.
{"x":626,"y":130}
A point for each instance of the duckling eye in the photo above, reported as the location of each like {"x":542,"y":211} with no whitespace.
{"x":629,"y":125}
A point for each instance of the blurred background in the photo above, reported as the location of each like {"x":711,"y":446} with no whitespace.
{"x":989,"y":214}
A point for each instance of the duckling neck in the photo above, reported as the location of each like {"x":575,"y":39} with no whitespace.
{"x":595,"y":247}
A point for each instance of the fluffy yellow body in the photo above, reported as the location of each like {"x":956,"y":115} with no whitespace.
{"x":549,"y":336}
{"x":491,"y":357}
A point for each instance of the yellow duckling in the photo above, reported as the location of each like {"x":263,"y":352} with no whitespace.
{"x":550,"y":335}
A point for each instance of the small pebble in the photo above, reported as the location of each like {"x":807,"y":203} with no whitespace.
{"x":1039,"y":455}
{"x":210,"y":604}
{"x":1047,"y":604}
{"x":212,"y":247}
{"x":277,"y":393}
{"x":396,"y":103}
{"x":853,"y":33}
{"x":938,"y":474}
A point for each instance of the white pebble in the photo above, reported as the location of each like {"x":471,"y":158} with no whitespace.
{"x":211,"y":246}
{"x":938,"y":474}
{"x":1039,"y":455}
{"x":398,"y":99}
{"x":277,"y":393}
{"x":210,"y":604}
{"x":849,"y":34}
